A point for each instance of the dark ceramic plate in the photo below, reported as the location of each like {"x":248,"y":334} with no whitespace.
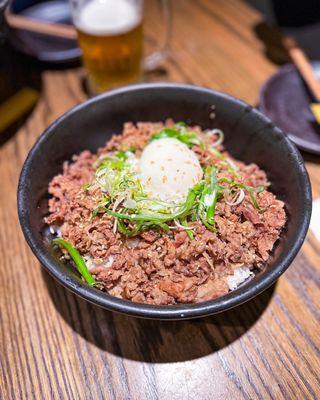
{"x":46,"y":48}
{"x":249,"y":136}
{"x":286,"y":100}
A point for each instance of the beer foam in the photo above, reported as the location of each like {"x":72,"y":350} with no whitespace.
{"x":108,"y":17}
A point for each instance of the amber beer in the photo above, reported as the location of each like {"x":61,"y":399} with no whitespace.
{"x":111,"y":38}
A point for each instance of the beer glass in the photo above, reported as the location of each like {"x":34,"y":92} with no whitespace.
{"x":110,"y":34}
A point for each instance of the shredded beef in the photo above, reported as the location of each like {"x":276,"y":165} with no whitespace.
{"x":157,"y":267}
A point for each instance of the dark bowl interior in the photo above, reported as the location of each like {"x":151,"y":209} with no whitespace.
{"x":249,"y":136}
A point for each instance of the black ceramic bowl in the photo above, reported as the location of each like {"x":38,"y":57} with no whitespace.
{"x":249,"y":136}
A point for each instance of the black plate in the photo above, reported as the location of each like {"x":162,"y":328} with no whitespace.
{"x":286,"y":101}
{"x":249,"y":136}
{"x":46,"y":48}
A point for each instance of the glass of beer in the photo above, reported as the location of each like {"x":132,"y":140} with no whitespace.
{"x":110,"y":34}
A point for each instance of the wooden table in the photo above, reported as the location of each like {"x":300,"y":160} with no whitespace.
{"x":55,"y":346}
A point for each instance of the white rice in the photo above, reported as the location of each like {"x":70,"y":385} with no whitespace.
{"x":240,"y":275}
{"x":315,"y":219}
{"x":91,"y":264}
{"x":55,"y":230}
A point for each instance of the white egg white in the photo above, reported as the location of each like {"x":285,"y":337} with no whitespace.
{"x":169,"y":169}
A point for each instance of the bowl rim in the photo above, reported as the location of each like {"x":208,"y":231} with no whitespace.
{"x":170,"y":312}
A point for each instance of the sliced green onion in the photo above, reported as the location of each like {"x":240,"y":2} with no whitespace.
{"x":77,"y":258}
{"x":213,"y":190}
{"x":103,"y":203}
{"x":212,"y":208}
{"x":122,"y":155}
{"x":180,"y":125}
{"x":163,"y":226}
{"x":189,"y":231}
{"x":180,"y":133}
{"x":252,"y":190}
{"x":165,"y":133}
{"x":220,"y":135}
{"x":158,"y":217}
{"x":216,"y":153}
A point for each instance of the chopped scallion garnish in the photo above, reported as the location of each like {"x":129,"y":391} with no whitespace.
{"x":180,"y":133}
{"x":125,"y":199}
{"x":77,"y":258}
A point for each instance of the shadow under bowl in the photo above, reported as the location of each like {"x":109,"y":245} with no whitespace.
{"x":249,"y":136}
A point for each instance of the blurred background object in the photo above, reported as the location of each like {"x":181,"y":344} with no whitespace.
{"x":20,"y":88}
{"x":299,"y":19}
{"x":296,"y":13}
{"x":3,"y":4}
{"x":110,"y":34}
{"x":288,"y":13}
{"x":285,"y":99}
{"x":16,"y":106}
{"x":45,"y":48}
{"x":288,"y":96}
{"x":305,"y":68}
{"x":56,"y":29}
{"x":17,"y":97}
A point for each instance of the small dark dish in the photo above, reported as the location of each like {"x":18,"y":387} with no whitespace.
{"x":249,"y":136}
{"x":44,"y":47}
{"x":285,"y":99}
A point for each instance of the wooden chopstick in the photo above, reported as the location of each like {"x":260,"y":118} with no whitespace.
{"x":302,"y":62}
{"x":46,"y":28}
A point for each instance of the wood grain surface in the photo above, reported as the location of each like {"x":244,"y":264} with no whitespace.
{"x":54,"y":345}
